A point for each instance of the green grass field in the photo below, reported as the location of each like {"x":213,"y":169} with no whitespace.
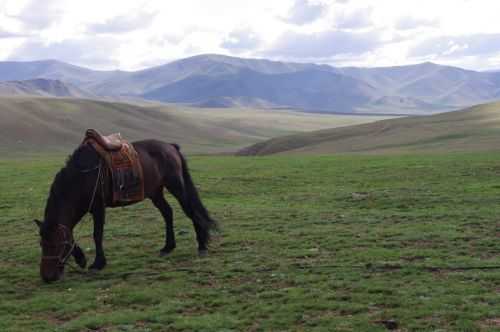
{"x":315,"y":243}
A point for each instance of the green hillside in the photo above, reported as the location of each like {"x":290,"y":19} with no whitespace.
{"x":473,"y":129}
{"x":57,"y":125}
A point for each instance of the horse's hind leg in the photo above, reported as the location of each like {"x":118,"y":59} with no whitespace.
{"x":166,"y":211}
{"x":176,"y":188}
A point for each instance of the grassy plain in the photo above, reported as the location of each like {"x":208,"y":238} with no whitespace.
{"x":315,"y":243}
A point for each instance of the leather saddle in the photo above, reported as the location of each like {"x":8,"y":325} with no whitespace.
{"x":123,"y":166}
{"x":113,"y":142}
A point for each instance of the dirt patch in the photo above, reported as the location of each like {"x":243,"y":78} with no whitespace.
{"x":492,"y":322}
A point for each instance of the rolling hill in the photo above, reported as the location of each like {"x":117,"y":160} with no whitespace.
{"x":215,"y":80}
{"x":30,"y":124}
{"x":473,"y":129}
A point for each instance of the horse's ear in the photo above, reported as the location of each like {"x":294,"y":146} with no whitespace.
{"x":38,"y":223}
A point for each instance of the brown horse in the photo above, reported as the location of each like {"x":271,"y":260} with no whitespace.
{"x":78,"y":188}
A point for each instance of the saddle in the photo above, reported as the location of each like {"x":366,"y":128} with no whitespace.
{"x":123,"y":165}
{"x":113,"y":142}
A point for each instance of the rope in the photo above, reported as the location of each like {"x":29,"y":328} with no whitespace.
{"x":95,"y":187}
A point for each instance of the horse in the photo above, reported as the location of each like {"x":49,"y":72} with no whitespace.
{"x":79,"y":188}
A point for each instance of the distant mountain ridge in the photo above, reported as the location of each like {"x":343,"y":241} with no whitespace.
{"x":43,"y":87}
{"x":216,"y":80}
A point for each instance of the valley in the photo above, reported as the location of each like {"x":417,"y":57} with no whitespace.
{"x":57,"y":125}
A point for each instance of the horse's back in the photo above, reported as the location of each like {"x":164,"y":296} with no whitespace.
{"x":159,"y":160}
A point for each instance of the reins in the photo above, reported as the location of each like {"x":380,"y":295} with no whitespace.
{"x":95,"y":187}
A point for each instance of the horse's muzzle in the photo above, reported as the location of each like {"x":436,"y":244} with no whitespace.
{"x":51,"y":275}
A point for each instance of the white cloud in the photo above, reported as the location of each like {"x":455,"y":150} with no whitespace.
{"x":305,"y":11}
{"x":129,"y":34}
{"x":354,"y":19}
{"x":241,"y":40}
{"x":122,"y":24}
{"x":325,"y":44}
{"x":410,"y":23}
{"x":454,"y":46}
{"x":94,"y":52}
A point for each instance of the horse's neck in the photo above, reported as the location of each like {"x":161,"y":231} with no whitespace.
{"x":67,"y":213}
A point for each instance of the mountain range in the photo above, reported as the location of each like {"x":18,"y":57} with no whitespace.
{"x":221,"y":81}
{"x":43,"y":87}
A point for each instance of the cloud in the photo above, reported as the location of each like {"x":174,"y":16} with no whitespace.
{"x":359,"y":18}
{"x":324,"y":44}
{"x":7,"y":34}
{"x":92,"y":52}
{"x":38,"y":15}
{"x":304,"y":12}
{"x":241,"y":40}
{"x":124,"y":23}
{"x":410,"y":23}
{"x":458,"y":46}
{"x":361,"y":32}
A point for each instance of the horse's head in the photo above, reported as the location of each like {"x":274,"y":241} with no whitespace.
{"x":57,"y":246}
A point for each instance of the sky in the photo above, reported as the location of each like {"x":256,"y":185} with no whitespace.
{"x":133,"y":35}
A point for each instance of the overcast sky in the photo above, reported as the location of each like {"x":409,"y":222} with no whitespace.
{"x":131,"y":35}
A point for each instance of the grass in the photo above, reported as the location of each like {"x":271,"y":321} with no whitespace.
{"x":315,"y":243}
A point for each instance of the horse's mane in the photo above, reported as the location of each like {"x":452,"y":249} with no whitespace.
{"x":63,"y":181}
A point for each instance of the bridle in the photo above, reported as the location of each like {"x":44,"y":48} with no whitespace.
{"x":67,"y":242}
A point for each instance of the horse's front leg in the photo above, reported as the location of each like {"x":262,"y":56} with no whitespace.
{"x":79,"y":256}
{"x":99,"y":218}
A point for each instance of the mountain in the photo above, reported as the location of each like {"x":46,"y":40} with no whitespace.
{"x":215,"y":80}
{"x":209,"y":65}
{"x":431,"y":83}
{"x":471,"y":129}
{"x":55,"y":70}
{"x":309,"y":89}
{"x":42,"y":87}
{"x":34,"y":124}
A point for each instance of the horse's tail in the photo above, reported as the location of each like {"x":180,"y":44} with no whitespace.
{"x":192,"y":205}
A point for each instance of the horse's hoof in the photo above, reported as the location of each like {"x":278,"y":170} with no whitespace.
{"x":96,"y":267}
{"x":79,"y":257}
{"x":203,"y":253}
{"x":166,"y":251}
{"x":82,"y":262}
